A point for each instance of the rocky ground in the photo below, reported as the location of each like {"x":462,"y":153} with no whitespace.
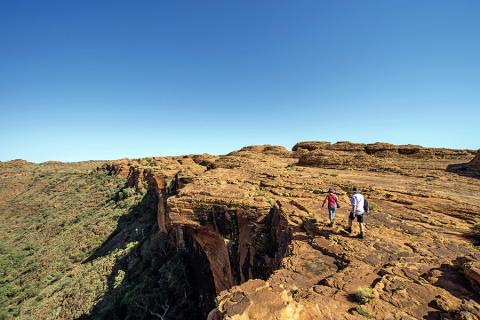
{"x":253,"y":227}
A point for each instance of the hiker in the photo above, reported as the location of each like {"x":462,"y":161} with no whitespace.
{"x":359,"y":207}
{"x":332,"y":201}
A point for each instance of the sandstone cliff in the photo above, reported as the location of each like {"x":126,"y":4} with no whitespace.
{"x":257,"y":216}
{"x":252,"y":228}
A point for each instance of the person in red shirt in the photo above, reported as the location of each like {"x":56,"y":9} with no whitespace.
{"x":332,"y":200}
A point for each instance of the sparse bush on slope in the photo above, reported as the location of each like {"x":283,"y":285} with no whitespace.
{"x":77,"y":243}
{"x":363,"y":295}
{"x":476,"y":232}
{"x":51,"y":220}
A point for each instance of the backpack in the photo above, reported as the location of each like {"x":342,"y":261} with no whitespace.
{"x":365,"y":205}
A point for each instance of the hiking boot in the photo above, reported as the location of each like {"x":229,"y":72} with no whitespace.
{"x":361,"y":235}
{"x":348,"y":229}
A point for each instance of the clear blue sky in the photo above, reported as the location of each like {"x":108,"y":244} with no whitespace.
{"x":110,"y":79}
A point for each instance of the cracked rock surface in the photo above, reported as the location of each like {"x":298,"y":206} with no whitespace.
{"x":257,"y":214}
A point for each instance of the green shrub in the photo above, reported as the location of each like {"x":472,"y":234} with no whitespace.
{"x":363,"y":295}
{"x":476,"y":231}
{"x":119,"y":278}
{"x":63,"y":216}
{"x":4,"y":315}
{"x":363,"y":312}
{"x":126,"y":193}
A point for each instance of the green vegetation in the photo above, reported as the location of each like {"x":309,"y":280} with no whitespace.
{"x":126,"y":193}
{"x":156,"y":284}
{"x":362,"y":312}
{"x":476,"y":232}
{"x":53,"y":217}
{"x":363,"y":295}
{"x":78,"y":244}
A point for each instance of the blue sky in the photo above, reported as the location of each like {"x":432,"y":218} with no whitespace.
{"x":110,"y":79}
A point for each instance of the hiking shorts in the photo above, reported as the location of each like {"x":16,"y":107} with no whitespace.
{"x":359,"y":217}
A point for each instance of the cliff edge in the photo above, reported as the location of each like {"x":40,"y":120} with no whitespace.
{"x":251,"y":235}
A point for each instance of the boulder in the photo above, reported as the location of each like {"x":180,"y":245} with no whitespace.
{"x":470,"y":267}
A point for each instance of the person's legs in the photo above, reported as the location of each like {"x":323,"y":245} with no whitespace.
{"x":331,"y":214}
{"x":351,"y":217}
{"x":362,"y":228}
{"x":361,"y":223}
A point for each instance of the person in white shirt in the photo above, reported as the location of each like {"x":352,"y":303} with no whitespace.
{"x":358,"y":211}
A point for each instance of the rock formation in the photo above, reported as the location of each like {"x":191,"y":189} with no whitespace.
{"x":475,"y":163}
{"x":256,"y":216}
{"x":400,"y":159}
{"x":471,"y":168}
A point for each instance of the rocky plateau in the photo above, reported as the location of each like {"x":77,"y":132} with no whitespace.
{"x":254,"y":218}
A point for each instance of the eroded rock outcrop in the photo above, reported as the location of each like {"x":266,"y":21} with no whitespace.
{"x":267,"y":149}
{"x":400,"y":159}
{"x":475,"y":163}
{"x":381,"y":149}
{"x":258,"y":220}
{"x":243,"y":234}
{"x":470,"y":266}
{"x":471,"y":168}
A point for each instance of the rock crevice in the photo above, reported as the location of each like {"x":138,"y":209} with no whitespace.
{"x":255,"y":227}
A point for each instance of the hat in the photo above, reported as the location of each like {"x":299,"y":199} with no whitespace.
{"x":331,"y":190}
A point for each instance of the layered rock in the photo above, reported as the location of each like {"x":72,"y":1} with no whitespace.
{"x":243,"y":234}
{"x":471,"y":269}
{"x":401,"y":159}
{"x":310,"y":145}
{"x":381,"y":149}
{"x":267,"y":149}
{"x":259,"y":221}
{"x":471,"y":168}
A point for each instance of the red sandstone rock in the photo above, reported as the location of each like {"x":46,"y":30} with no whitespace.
{"x":471,"y":269}
{"x":310,"y":145}
{"x":260,"y":223}
{"x":347,"y":146}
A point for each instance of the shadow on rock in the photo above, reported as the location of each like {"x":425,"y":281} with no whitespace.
{"x":464,"y":169}
{"x":452,"y":279}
